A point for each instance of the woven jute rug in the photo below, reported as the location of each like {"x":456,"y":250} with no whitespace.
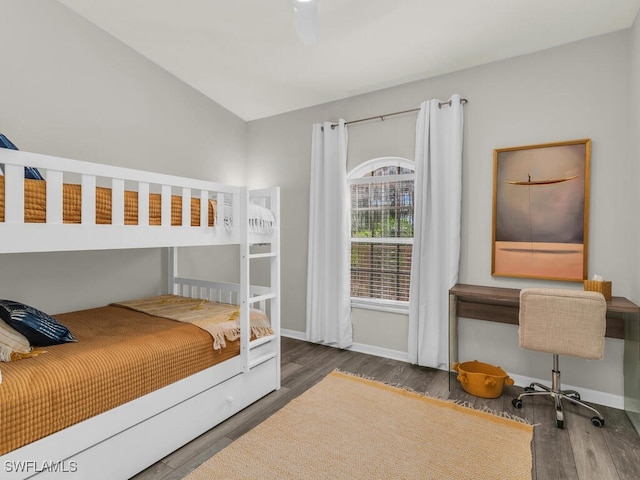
{"x":347,"y":427}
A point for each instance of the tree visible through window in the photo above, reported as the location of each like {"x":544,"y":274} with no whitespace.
{"x":381,"y":229}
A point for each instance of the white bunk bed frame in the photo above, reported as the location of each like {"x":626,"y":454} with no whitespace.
{"x":125,"y":440}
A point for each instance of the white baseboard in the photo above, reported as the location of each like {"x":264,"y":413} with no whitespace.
{"x":293,"y":334}
{"x":380,"y":352}
{"x":356,"y":347}
{"x":592,"y":396}
{"x":586,"y":394}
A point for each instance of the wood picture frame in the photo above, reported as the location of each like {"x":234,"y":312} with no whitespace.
{"x":541,"y":211}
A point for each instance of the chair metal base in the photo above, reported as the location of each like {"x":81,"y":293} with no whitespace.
{"x":557,"y":395}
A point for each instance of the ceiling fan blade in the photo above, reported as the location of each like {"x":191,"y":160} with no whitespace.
{"x":305,"y":19}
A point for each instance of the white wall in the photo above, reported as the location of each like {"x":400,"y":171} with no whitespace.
{"x":69,"y":89}
{"x":580,"y":90}
{"x":632,"y":357}
{"x":635,"y":137}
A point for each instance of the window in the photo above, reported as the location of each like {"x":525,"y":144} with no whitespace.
{"x":381,"y":233}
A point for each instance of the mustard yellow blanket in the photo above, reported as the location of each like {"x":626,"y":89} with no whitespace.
{"x":120,"y":355}
{"x":221,"y":320}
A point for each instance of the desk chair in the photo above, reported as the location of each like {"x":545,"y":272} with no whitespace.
{"x":562,"y":322}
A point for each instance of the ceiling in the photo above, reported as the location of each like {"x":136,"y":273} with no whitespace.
{"x":246,"y":55}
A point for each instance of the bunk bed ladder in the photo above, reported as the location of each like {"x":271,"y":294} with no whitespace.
{"x":247,"y":296}
{"x":245,"y":274}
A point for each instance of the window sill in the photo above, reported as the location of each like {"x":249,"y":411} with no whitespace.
{"x":388,"y":306}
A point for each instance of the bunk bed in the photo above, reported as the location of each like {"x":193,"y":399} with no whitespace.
{"x":87,"y":206}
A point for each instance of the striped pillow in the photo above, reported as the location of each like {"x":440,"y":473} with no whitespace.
{"x":29,"y":172}
{"x":39,"y":328}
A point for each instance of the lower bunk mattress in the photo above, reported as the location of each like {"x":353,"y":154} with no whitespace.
{"x":120,"y":354}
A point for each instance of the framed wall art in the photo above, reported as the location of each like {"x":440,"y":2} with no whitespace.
{"x":541,"y":211}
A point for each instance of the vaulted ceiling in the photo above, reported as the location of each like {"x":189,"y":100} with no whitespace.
{"x":246,"y":55}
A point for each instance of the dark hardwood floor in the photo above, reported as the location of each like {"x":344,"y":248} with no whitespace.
{"x":580,"y":451}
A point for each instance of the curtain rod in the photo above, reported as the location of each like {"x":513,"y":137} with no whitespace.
{"x":382,"y":117}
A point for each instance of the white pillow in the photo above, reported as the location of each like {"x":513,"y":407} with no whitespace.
{"x":12,"y":341}
{"x":261,"y":219}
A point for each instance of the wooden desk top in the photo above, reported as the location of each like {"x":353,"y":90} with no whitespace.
{"x":501,"y":305}
{"x":511,"y":297}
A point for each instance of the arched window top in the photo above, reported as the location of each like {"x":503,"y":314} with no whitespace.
{"x":383,"y":166}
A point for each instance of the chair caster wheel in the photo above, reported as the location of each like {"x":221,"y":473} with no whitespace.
{"x":560,"y":423}
{"x":529,"y":389}
{"x":517,"y":403}
{"x":597,"y":422}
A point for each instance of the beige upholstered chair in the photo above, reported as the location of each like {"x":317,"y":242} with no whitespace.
{"x":562,"y":322}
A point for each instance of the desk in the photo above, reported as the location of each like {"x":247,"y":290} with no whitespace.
{"x":502,"y":305}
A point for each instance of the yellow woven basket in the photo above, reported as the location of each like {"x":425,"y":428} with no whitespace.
{"x":599,"y":286}
{"x":481,"y":379}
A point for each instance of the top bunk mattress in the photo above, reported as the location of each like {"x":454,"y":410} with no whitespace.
{"x":120,"y":354}
{"x":35,"y":210}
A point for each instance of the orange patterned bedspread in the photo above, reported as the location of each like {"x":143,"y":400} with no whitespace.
{"x":35,"y":192}
{"x":120,"y":355}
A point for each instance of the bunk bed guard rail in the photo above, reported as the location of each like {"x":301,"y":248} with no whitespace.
{"x":25,"y":236}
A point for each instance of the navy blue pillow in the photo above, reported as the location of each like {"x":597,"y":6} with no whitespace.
{"x":32,"y":173}
{"x":29,"y":172}
{"x":40,"y":328}
{"x":6,"y":143}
